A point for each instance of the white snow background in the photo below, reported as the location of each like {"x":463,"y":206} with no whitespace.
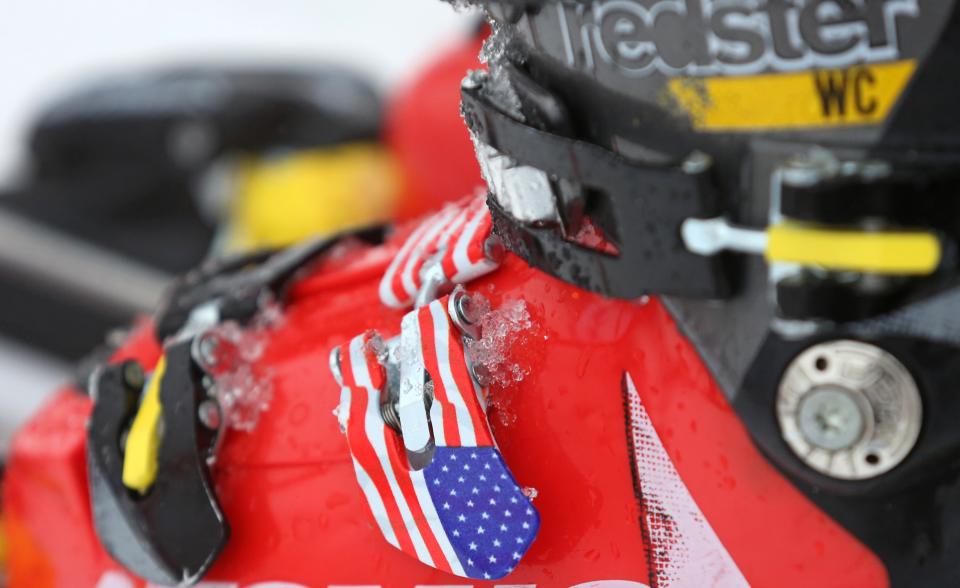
{"x":46,"y":46}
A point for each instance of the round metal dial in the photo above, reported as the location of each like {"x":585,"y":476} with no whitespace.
{"x":848,"y":409}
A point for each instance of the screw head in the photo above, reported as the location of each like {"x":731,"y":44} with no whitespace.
{"x":875,"y":170}
{"x":808,"y":169}
{"x":697,"y":162}
{"x":207,"y":350}
{"x":133,"y":375}
{"x":830,"y":418}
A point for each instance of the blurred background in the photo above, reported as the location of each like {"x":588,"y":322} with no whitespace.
{"x":138,"y":138}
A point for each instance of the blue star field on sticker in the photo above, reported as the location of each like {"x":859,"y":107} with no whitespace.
{"x":489,"y":521}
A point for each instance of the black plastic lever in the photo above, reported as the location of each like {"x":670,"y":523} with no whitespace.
{"x":172,"y":534}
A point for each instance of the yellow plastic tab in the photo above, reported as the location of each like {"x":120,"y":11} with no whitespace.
{"x":143,"y":440}
{"x":881,"y":252}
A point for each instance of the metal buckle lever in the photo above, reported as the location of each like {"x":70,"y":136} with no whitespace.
{"x":412,"y":399}
{"x":890,"y":252}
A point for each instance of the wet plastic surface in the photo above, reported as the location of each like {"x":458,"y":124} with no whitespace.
{"x":297,"y":515}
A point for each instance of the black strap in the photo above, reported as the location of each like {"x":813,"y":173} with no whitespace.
{"x":909,"y":196}
{"x":239,"y":283}
{"x":639,"y":207}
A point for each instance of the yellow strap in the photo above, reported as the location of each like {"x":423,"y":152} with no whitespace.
{"x":143,"y":440}
{"x":882,"y":252}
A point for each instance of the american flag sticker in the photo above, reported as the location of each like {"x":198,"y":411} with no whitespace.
{"x":463,"y":513}
{"x":451,"y":242}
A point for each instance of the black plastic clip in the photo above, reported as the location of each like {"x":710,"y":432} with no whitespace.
{"x":237,"y":288}
{"x":172,"y":533}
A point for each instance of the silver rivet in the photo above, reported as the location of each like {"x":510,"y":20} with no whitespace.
{"x":133,"y":375}
{"x":207,"y":350}
{"x":697,"y":162}
{"x":465,"y":312}
{"x":210,"y":414}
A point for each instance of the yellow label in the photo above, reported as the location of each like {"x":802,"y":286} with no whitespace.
{"x":859,"y":95}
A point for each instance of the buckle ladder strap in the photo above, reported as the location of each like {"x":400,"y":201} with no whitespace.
{"x":467,"y":259}
{"x":644,"y":207}
{"x":463,"y":512}
{"x":447,"y":248}
{"x":236,"y":287}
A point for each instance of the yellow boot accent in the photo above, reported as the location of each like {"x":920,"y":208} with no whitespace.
{"x":288,"y":198}
{"x":143,"y":440}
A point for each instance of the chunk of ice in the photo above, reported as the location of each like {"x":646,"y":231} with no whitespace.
{"x":494,"y":46}
{"x":246,"y":389}
{"x":500,"y":329}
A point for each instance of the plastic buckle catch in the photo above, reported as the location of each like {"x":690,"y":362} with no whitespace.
{"x":154,"y":506}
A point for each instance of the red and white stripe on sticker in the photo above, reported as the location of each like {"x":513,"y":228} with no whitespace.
{"x":440,"y":514}
{"x":450,"y":243}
